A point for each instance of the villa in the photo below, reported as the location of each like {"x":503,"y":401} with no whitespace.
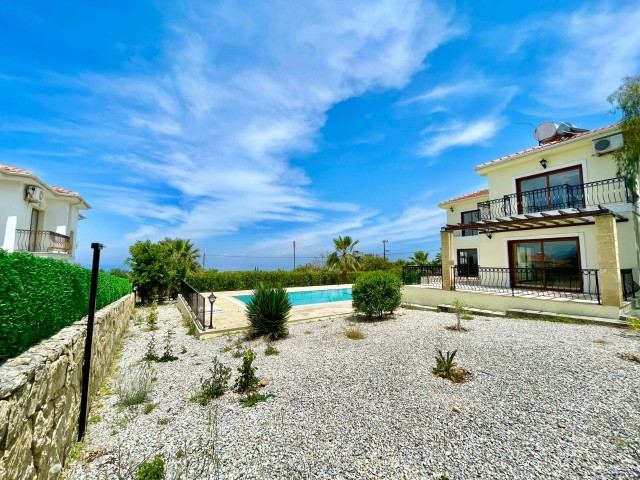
{"x":38,"y":218}
{"x":556,"y":231}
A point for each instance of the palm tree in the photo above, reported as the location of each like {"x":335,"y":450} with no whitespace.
{"x":420,"y":258}
{"x":182,"y":257}
{"x":345,"y":258}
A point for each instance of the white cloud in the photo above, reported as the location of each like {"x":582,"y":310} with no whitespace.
{"x":444,"y":91}
{"x":244,"y":90}
{"x":459,"y":134}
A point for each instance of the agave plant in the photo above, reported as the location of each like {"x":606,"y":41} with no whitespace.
{"x":268,"y":312}
{"x":445,"y":365}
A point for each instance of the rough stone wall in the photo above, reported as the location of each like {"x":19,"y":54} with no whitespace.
{"x":40,"y":393}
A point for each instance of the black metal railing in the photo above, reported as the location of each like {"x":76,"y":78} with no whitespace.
{"x":535,"y":282}
{"x":602,"y":192}
{"x":629,"y":286}
{"x":422,"y":275}
{"x":196,"y":303}
{"x":42,"y":241}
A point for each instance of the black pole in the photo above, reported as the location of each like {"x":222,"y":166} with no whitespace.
{"x":294,"y":255}
{"x":86,"y":367}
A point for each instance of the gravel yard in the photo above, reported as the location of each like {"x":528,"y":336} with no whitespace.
{"x":546,"y":400}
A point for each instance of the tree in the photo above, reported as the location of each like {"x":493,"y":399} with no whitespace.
{"x":150,"y":269}
{"x":345,"y":258}
{"x":420,"y":258}
{"x":158,"y":268}
{"x":370,"y":262}
{"x":183,"y":259}
{"x":627,"y":100}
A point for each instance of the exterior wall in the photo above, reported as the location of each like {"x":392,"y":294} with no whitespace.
{"x":502,"y":177}
{"x":434,"y":297}
{"x":40,"y":393}
{"x":453,"y":218}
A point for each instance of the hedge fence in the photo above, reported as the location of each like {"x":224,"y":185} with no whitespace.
{"x":223,"y":281}
{"x":40,"y":296}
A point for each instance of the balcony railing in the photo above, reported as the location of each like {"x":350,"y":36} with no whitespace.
{"x":42,"y":241}
{"x":592,"y":194}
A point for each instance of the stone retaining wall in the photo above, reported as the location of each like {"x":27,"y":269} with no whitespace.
{"x":40,"y":393}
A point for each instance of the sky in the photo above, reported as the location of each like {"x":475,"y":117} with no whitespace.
{"x":246,"y":126}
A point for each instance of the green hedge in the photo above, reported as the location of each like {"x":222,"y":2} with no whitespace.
{"x":39,"y":296}
{"x":223,"y":281}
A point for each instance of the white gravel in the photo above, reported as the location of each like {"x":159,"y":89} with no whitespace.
{"x":372,"y":409}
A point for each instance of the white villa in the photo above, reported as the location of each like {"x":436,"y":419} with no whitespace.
{"x":37,"y":217}
{"x":556,"y":231}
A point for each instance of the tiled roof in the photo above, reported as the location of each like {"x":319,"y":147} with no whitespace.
{"x":64,"y":191}
{"x":546,"y":145}
{"x":16,"y":170}
{"x":27,"y":173}
{"x":479,"y":193}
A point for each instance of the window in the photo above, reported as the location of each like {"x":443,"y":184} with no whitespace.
{"x":468,"y":262}
{"x":549,"y":264}
{"x":551,"y":190}
{"x":471,"y":216}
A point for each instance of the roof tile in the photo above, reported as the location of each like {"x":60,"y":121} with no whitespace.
{"x":479,"y":193}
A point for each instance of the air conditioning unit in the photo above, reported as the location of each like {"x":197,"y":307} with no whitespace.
{"x":33,"y":194}
{"x":607,"y":144}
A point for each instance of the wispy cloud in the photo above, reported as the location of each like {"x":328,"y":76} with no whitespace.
{"x":219,"y":123}
{"x":441,"y":92}
{"x":459,"y":134}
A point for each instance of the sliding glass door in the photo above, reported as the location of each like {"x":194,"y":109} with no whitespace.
{"x":549,"y":264}
{"x":551,"y":191}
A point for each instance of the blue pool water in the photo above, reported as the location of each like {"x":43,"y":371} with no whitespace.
{"x":308,"y":298}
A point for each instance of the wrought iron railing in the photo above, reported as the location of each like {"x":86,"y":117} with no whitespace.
{"x":422,"y":275}
{"x":629,"y":286}
{"x":196,"y":303}
{"x":602,"y":192}
{"x":570,"y":283}
{"x":42,"y":241}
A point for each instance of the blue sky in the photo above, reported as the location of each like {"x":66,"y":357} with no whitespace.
{"x":247,"y":127}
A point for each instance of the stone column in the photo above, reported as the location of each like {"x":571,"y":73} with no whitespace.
{"x":446,"y":241}
{"x":608,"y":261}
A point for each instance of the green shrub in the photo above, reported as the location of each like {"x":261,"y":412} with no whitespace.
{"x":377,"y":293}
{"x":251,"y":399}
{"x":133,"y":388}
{"x":40,"y":296}
{"x":153,"y":470}
{"x":247,"y":381}
{"x":271,"y":350}
{"x":215,"y":385}
{"x":268,"y":312}
{"x":446,"y":367}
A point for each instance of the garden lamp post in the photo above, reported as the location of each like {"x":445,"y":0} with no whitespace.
{"x":212,"y":299}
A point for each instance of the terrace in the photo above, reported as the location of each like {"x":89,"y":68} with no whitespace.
{"x":42,"y":241}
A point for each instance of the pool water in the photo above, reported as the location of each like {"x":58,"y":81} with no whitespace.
{"x":308,"y":298}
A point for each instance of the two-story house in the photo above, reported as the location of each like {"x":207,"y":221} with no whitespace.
{"x":556,"y":226}
{"x":37,"y":217}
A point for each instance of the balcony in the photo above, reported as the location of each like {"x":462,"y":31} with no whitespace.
{"x":42,"y":241}
{"x":557,"y":198}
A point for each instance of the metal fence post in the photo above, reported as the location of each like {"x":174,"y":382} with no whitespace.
{"x":86,"y":367}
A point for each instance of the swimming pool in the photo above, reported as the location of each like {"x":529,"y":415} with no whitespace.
{"x":310,"y":297}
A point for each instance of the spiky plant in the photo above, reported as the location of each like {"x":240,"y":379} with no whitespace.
{"x":268,"y":312}
{"x":446,"y":365}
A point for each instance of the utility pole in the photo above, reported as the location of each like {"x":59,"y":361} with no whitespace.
{"x":384,"y":248}
{"x":294,"y":254}
{"x":204,"y":255}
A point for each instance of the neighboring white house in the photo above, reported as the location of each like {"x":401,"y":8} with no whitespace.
{"x":36,"y":217}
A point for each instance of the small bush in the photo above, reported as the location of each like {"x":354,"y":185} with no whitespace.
{"x":446,"y":367}
{"x":133,"y":388}
{"x":271,"y":350}
{"x":268,"y":312}
{"x":253,"y":398}
{"x":215,"y":385}
{"x":153,"y":470}
{"x":247,"y":381}
{"x":150,"y":355}
{"x":148,"y":408}
{"x":354,"y":334}
{"x":460,"y":309}
{"x":152,"y":317}
{"x":377,"y":293}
